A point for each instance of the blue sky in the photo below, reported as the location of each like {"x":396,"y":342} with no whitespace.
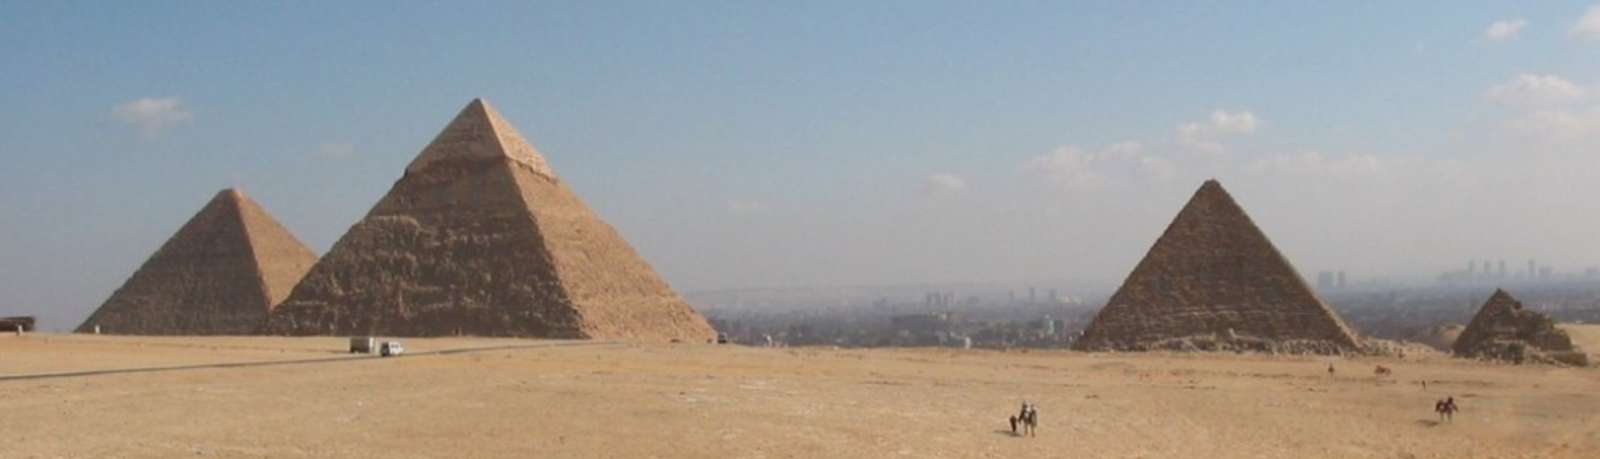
{"x":746,"y":144}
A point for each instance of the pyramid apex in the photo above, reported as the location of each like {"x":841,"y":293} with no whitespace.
{"x":1501,"y":296}
{"x":480,"y":133}
{"x":1211,"y":192}
{"x":226,"y":198}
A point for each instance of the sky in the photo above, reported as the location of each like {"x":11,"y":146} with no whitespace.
{"x":767,"y":144}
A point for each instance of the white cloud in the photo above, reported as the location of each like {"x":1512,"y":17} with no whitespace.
{"x":1558,"y":126}
{"x":1505,"y":29}
{"x":944,"y":183}
{"x":1077,"y":169}
{"x":1242,"y":122}
{"x":745,"y":206}
{"x":1588,"y":26}
{"x":1206,"y":135}
{"x":1528,"y":90}
{"x":152,"y":115}
{"x":336,"y":150}
{"x":1068,"y":167}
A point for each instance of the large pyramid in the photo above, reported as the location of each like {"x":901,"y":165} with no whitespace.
{"x":1213,"y":281}
{"x":219,"y":275}
{"x":1503,"y":330}
{"x":479,"y":237}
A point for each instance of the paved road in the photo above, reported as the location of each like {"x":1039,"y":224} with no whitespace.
{"x":268,"y":363}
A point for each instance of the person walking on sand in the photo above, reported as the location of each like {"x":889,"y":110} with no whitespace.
{"x":1032,"y":420}
{"x":1020,"y":417}
{"x":1450,"y":409}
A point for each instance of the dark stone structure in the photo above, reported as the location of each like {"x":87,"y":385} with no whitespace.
{"x":479,"y":237}
{"x":12,"y":323}
{"x":1214,"y":282}
{"x":1503,"y":330}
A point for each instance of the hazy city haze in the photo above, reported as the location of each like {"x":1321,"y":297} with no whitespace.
{"x":739,"y":145}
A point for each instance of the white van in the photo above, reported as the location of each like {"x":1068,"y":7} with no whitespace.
{"x":391,"y":349}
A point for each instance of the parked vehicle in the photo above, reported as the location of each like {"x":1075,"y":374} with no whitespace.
{"x":363,"y":344}
{"x":391,"y":349}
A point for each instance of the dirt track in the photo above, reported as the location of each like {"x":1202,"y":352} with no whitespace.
{"x":720,"y":401}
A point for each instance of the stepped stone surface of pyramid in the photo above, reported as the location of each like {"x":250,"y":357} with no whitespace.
{"x":479,"y":237}
{"x":221,"y":274}
{"x":1503,"y":330}
{"x":1213,"y":281}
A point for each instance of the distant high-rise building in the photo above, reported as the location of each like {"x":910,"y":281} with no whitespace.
{"x":1472,"y":267}
{"x":1502,"y":273}
{"x":1032,"y":297}
{"x":1325,"y":280}
{"x":1340,"y":283}
{"x":1533,"y":269}
{"x":1053,"y":296}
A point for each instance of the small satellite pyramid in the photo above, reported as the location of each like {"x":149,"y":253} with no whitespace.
{"x":1214,"y":281}
{"x":1503,"y":330}
{"x":479,"y":237}
{"x":219,"y":275}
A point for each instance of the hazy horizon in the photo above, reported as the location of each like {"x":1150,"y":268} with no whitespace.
{"x":754,"y":145}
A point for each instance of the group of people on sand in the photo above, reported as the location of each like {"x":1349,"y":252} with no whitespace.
{"x":1028,"y":420}
{"x":1446,"y":408}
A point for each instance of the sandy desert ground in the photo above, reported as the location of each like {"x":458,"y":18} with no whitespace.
{"x":602,"y":399}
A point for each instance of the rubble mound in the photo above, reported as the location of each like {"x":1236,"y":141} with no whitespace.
{"x":479,"y":237}
{"x":221,"y":274}
{"x":1398,"y":349}
{"x":1505,"y":331}
{"x":1440,"y":337}
{"x":1213,"y":281}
